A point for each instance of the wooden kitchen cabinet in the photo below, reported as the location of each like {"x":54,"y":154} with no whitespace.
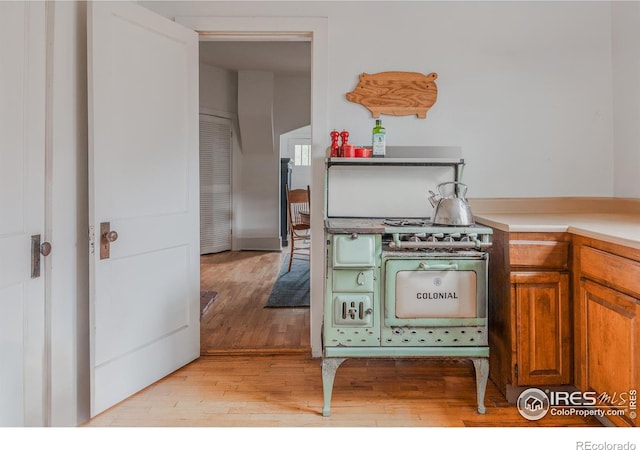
{"x":530,"y":329}
{"x":542,"y":333}
{"x":607,"y":324}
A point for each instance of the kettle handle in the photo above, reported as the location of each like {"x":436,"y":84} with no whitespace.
{"x":458,"y":183}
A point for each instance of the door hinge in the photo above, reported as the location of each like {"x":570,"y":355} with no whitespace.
{"x":515,"y":369}
{"x":92,"y":241}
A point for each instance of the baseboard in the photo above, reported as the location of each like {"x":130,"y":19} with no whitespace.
{"x":267,"y":244}
{"x":265,"y":351}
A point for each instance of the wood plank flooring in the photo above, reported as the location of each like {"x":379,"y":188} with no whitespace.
{"x":256,"y":371}
{"x":286,"y":391}
{"x":238,"y":322}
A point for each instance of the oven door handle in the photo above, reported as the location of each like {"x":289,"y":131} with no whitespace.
{"x":424,"y":266}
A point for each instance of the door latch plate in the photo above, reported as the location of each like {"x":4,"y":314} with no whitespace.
{"x":35,"y":256}
{"x":105,"y":245}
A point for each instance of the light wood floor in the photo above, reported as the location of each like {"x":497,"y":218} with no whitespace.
{"x":238,"y":322}
{"x":268,"y":379}
{"x":286,"y":391}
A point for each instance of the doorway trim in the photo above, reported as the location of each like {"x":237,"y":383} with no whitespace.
{"x":314,"y":29}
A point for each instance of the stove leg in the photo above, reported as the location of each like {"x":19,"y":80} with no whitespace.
{"x":329,"y":368}
{"x":482,"y":374}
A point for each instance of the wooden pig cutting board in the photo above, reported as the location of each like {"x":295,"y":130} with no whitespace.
{"x":396,"y":93}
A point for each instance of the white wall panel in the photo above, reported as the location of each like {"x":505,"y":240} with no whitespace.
{"x":626,"y":97}
{"x":524,"y":87}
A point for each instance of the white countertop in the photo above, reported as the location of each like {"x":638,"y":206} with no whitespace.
{"x":609,"y":219}
{"x":618,"y":228}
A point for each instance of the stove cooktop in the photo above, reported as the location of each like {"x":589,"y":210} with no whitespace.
{"x":407,"y":222}
{"x":400,"y":226}
{"x":406,"y":226}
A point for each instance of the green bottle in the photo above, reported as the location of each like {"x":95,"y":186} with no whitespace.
{"x":379,"y":145}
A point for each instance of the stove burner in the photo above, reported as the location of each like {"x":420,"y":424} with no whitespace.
{"x":407,"y":222}
{"x":436,"y":238}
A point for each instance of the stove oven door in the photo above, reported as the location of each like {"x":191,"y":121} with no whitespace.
{"x":421,"y":292}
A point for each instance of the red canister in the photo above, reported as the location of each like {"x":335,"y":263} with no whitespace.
{"x":362,"y":152}
{"x":348,"y":151}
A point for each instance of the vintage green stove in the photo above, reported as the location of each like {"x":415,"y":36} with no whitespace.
{"x":400,"y":287}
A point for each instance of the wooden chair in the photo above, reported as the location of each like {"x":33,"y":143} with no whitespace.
{"x":298,"y":200}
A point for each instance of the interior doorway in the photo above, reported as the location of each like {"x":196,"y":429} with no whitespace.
{"x":314,"y":29}
{"x":237,"y":321}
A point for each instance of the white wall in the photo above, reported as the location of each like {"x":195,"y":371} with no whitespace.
{"x":260,"y":179}
{"x":255,"y":111}
{"x":255,"y":177}
{"x":218,"y":89}
{"x":626,"y":98}
{"x":524,"y":87}
{"x":219,"y":96}
{"x":259,"y":184}
{"x":292,"y":104}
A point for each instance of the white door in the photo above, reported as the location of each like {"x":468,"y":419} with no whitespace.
{"x":22,"y":153}
{"x":215,"y":184}
{"x":143,"y":182}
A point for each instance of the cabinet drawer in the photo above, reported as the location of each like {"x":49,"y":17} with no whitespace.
{"x":353,"y":280}
{"x":616,"y":271}
{"x":354,"y":250}
{"x":545,"y":254}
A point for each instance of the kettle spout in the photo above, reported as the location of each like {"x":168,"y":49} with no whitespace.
{"x":434,"y":199}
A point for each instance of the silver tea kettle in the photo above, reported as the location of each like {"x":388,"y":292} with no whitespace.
{"x":451,"y":206}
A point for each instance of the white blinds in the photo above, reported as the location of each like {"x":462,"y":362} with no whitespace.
{"x":215,"y":184}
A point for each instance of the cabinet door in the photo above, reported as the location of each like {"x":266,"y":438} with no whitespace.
{"x":542,"y":322}
{"x":612,"y":335}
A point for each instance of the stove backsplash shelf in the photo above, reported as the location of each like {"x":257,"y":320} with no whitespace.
{"x":394,"y":186}
{"x":408,"y":156}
